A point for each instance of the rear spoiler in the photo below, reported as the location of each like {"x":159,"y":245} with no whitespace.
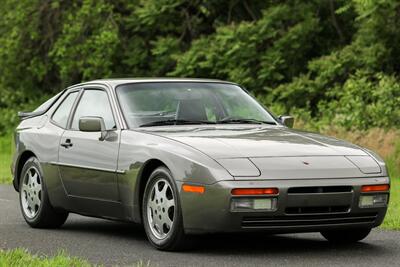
{"x":26,"y":115}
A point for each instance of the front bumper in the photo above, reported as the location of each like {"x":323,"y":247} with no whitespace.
{"x":296,"y":212}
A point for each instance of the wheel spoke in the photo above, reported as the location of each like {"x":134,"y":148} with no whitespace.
{"x":166,"y":220}
{"x":164,"y":190}
{"x":34,"y":178}
{"x":24,"y":187}
{"x":158,"y":225}
{"x":29,"y":202}
{"x":152,"y":205}
{"x":35,"y":201}
{"x":158,"y":190}
{"x":36,"y":188}
{"x":169,"y":203}
{"x":30,"y":177}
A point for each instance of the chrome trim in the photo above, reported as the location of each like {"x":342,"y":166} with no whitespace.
{"x":86,"y":167}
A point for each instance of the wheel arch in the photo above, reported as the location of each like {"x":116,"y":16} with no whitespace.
{"x":22,"y":159}
{"x":144,"y":174}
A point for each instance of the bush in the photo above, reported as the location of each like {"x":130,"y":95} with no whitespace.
{"x":324,"y":61}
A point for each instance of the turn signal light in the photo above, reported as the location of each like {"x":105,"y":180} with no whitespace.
{"x":254,"y":191}
{"x":374,"y":188}
{"x":193,"y":188}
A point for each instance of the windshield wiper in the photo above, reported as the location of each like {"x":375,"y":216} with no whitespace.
{"x":175,"y":122}
{"x":239,"y":120}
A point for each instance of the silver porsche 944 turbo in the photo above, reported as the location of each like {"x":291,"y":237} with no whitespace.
{"x":190,"y":156}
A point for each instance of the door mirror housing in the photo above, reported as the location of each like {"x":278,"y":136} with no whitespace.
{"x":93,"y":124}
{"x":288,"y":121}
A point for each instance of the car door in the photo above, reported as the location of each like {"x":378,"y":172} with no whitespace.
{"x":88,"y":165}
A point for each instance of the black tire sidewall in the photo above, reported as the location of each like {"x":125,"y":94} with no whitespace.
{"x":346,"y":235}
{"x":177,"y":227}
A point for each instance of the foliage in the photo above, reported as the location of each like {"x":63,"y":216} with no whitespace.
{"x":392,"y":219}
{"x":6,"y":151}
{"x":328,"y":62}
{"x":20,"y":257}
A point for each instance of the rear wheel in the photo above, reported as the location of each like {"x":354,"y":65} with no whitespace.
{"x":346,"y":236}
{"x":34,"y":201}
{"x":161,"y":212}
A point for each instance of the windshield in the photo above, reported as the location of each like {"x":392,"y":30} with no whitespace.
{"x":167,"y":103}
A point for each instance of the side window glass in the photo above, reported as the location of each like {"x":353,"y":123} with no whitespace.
{"x":94,"y":103}
{"x":62,"y":113}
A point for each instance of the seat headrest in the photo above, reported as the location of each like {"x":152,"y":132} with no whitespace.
{"x":191,"y":109}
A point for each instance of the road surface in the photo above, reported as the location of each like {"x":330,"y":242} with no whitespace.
{"x":114,"y":243}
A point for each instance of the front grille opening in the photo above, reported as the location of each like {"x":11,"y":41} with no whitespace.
{"x":317,"y":210}
{"x":320,"y":189}
{"x":308,"y":220}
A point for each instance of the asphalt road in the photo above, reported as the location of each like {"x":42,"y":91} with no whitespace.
{"x":114,"y":243}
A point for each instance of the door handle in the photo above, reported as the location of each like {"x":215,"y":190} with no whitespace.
{"x":67,"y":143}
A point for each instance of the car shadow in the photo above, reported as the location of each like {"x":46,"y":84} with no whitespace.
{"x":244,"y":244}
{"x":251,"y":243}
{"x":106,"y":228}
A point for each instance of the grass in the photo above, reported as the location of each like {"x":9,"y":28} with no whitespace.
{"x":20,"y":257}
{"x":392,"y":219}
{"x":5,"y":159}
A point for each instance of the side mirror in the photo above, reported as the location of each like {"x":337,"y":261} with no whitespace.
{"x":288,"y":121}
{"x":93,"y":124}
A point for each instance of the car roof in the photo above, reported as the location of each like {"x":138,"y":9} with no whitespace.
{"x":116,"y":82}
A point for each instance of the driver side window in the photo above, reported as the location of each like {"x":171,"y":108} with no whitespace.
{"x":94,"y":103}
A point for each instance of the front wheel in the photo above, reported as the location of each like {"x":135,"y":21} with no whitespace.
{"x":161,"y":212}
{"x":34,"y":201}
{"x":346,"y":236}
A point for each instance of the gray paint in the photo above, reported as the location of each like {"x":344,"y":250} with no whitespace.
{"x":102,"y":178}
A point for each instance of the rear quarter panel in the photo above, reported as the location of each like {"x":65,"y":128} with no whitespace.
{"x":42,"y":138}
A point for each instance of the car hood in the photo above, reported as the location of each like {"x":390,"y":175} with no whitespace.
{"x":236,"y":142}
{"x":275,"y":152}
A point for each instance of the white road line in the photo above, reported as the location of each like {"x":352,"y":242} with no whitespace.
{"x":5,"y":200}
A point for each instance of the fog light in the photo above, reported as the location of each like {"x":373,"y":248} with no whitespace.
{"x":372,"y":201}
{"x":254,"y":204}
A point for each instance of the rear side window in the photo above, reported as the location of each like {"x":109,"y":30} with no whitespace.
{"x":62,"y":113}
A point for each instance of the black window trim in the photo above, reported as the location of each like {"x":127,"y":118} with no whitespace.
{"x":79,"y":90}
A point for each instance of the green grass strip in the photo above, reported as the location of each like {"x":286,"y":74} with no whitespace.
{"x":20,"y":257}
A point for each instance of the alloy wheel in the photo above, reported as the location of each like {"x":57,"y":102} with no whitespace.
{"x":161,"y":208}
{"x":31,"y":192}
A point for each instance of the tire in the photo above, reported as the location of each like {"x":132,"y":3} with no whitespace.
{"x":34,"y":200}
{"x":157,"y":208}
{"x":346,"y":236}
